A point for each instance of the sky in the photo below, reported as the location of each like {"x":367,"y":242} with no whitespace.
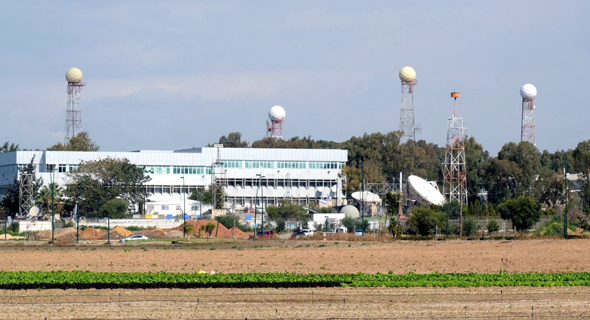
{"x":177,"y":74}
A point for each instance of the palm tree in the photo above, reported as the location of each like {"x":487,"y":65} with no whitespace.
{"x":44,"y":198}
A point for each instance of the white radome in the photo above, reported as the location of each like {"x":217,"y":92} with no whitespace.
{"x":528,"y":92}
{"x":407,"y":74}
{"x":276,"y":113}
{"x":74,"y":75}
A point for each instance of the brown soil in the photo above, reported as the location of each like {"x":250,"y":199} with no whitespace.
{"x":305,"y":256}
{"x":315,"y":303}
{"x":121,"y":231}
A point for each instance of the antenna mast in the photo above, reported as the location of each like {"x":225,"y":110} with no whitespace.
{"x":73,"y":109}
{"x":454,"y":171}
{"x":407,"y":125}
{"x":528,"y":129}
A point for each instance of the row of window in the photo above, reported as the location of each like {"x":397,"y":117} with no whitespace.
{"x":153,"y":169}
{"x":249,"y":164}
{"x":151,"y":207}
{"x":326,"y":165}
{"x":291,"y":164}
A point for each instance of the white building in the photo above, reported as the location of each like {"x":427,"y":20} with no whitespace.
{"x":300,"y":175}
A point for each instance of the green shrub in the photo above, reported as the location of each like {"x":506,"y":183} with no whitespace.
{"x":424,"y":221}
{"x":493,"y":226}
{"x":14,"y":226}
{"x":469,"y":227}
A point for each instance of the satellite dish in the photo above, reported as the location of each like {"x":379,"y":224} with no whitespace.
{"x":423,"y":192}
{"x":34,"y":211}
{"x":366,"y":196}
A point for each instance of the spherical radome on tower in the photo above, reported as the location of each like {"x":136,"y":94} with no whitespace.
{"x":528,"y":92}
{"x":407,"y":74}
{"x":74,"y":75}
{"x":276,"y":113}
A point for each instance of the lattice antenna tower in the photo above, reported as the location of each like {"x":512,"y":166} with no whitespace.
{"x":528,"y":130}
{"x":274,"y":125}
{"x":25,"y":192}
{"x":407,"y":124}
{"x":73,"y":109}
{"x":218,"y":178}
{"x":454,"y":170}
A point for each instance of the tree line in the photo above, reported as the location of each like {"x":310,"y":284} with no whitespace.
{"x":519,"y":169}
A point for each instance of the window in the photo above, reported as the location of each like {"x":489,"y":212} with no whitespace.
{"x":8,"y":169}
{"x":232,"y":163}
{"x":150,"y":207}
{"x":164,"y":207}
{"x":291,"y":165}
{"x":177,"y":208}
{"x":195,"y":208}
{"x":256,"y":164}
{"x":208,"y":170}
{"x":325,"y":165}
{"x":61,"y":168}
{"x":73,"y":167}
{"x":156,"y":169}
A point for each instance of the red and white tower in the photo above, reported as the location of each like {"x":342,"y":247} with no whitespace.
{"x":528,"y":130}
{"x":73,"y":110}
{"x":274,"y":126}
{"x":454,"y":170}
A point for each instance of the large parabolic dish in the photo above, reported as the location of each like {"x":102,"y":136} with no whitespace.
{"x":423,"y":192}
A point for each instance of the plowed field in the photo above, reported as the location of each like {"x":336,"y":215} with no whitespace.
{"x":309,"y":256}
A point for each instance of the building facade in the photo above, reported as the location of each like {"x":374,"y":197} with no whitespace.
{"x":300,"y":175}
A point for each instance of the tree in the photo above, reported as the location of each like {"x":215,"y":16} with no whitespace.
{"x":469,"y":227}
{"x":44,"y":197}
{"x":115,"y":209}
{"x":208,"y":229}
{"x":493,"y":226}
{"x":79,"y":142}
{"x":392,"y":200}
{"x":188,"y":230}
{"x":396,"y":229}
{"x":581,"y":164}
{"x":287,"y":211}
{"x":524,"y":212}
{"x":8,"y":147}
{"x":103,"y":180}
{"x":10,"y":202}
{"x":233,"y":140}
{"x":424,"y":221}
{"x":350,"y":223}
{"x":280,"y":225}
{"x":229,"y":221}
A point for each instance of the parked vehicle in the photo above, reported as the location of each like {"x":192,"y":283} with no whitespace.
{"x":135,"y":237}
{"x":307,"y":232}
{"x":264,"y":234}
{"x":358,"y":232}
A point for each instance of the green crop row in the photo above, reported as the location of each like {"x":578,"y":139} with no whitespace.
{"x":56,"y":278}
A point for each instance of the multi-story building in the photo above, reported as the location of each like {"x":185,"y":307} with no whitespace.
{"x":300,"y":175}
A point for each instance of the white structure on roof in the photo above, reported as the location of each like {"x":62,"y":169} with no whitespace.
{"x":73,"y":109}
{"x":424,"y":192}
{"x":306,"y":173}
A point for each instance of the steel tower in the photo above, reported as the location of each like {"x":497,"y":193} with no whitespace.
{"x":454,"y":170}
{"x":528,"y":130}
{"x":73,"y":110}
{"x":407,"y":125}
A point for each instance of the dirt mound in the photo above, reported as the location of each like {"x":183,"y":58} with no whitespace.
{"x":122,"y":232}
{"x":10,"y":237}
{"x":240,"y":233}
{"x":65,"y":232}
{"x":153,"y":233}
{"x":92,"y":234}
{"x":45,"y":235}
{"x":223,"y":232}
{"x":174,"y":234}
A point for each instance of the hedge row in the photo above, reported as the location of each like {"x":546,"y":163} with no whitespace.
{"x":86,"y":279}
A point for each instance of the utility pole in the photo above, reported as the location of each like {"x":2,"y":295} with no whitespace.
{"x":52,"y":206}
{"x":78,"y":213}
{"x":260,"y":176}
{"x":363,"y":198}
{"x":183,"y":211}
{"x":566,"y":196}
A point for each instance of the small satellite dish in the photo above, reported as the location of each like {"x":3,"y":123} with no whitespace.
{"x":34,"y":211}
